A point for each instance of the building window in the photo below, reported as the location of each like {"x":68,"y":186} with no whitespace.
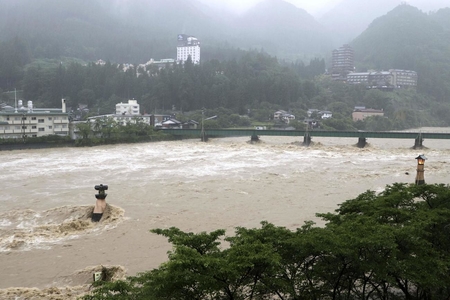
{"x":49,"y":118}
{"x":33,"y":127}
{"x":33,"y":118}
{"x":17,"y":127}
{"x":50,"y":127}
{"x":41,"y":121}
{"x":41,"y":129}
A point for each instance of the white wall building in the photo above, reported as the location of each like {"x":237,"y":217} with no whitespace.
{"x":130,"y":108}
{"x":188,"y":46}
{"x":28,"y":121}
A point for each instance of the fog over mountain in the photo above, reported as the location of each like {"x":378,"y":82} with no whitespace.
{"x":350,"y":18}
{"x":318,"y":8}
{"x":137,"y":30}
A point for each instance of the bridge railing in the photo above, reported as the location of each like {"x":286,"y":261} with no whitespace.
{"x":312,"y":133}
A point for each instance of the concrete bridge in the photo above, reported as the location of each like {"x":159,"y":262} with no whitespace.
{"x":254,"y":134}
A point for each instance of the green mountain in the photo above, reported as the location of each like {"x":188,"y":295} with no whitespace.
{"x":407,"y":38}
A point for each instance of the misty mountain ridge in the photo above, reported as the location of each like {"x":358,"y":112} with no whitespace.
{"x":135,"y":31}
{"x":349,"y":18}
{"x":283,"y":29}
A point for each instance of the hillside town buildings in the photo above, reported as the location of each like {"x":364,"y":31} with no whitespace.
{"x":187,"y":46}
{"x":282,"y":115}
{"x":343,"y":69}
{"x":360,"y":113}
{"x":393,"y":78}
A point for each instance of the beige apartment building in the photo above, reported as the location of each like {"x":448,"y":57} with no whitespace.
{"x":28,"y":121}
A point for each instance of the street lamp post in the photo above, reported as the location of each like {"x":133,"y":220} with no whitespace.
{"x":203,"y":128}
{"x":420,"y":179}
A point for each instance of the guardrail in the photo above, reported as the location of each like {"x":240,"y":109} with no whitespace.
{"x":361,"y":135}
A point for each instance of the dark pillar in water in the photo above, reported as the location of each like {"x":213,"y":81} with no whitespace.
{"x":362,"y":142}
{"x":306,"y":139}
{"x":254,"y":138}
{"x":418,"y":143}
{"x":204,"y":137}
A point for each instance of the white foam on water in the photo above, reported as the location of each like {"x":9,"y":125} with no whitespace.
{"x":43,"y":229}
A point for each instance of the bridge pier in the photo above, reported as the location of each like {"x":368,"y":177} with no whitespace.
{"x":418,"y":143}
{"x":362,"y":142}
{"x":203,"y":137}
{"x":306,"y":139}
{"x":254,"y":138}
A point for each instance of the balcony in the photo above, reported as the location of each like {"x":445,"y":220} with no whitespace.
{"x":61,"y":121}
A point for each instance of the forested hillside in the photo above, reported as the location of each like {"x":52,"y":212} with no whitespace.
{"x":407,"y":38}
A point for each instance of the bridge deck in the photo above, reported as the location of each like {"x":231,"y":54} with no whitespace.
{"x":312,"y":133}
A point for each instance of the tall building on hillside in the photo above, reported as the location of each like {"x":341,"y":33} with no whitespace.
{"x":398,"y":79}
{"x":342,"y":62}
{"x":188,"y":46}
{"x":404,"y":78}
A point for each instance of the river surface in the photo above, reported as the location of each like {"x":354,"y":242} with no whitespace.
{"x":46,"y":236}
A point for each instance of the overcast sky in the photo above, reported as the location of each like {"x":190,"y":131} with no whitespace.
{"x":314,"y":7}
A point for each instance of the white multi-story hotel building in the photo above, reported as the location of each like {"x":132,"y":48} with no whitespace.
{"x":130,"y":108}
{"x":28,"y":121}
{"x":188,"y":46}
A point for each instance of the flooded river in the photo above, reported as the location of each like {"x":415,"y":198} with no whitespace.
{"x":46,"y":238}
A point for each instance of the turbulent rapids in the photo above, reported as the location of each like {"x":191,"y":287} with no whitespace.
{"x":28,"y":229}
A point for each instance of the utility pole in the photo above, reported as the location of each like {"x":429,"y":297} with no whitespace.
{"x":203,"y":127}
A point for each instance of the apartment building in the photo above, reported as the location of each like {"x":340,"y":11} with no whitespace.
{"x":21,"y":121}
{"x":342,"y":62}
